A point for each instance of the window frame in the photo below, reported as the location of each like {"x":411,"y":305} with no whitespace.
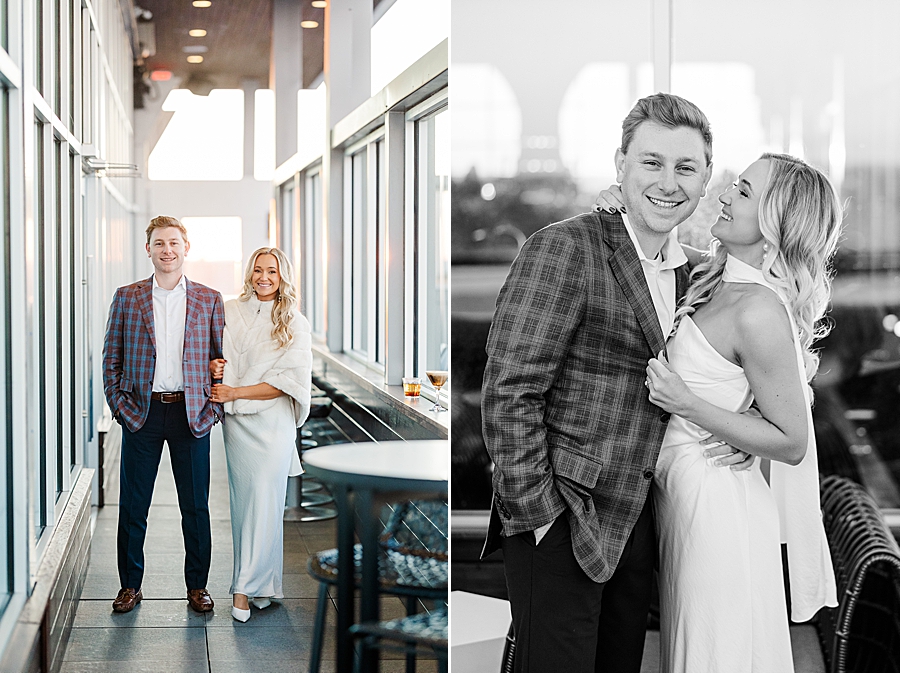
{"x":415,"y":301}
{"x":373,"y":277}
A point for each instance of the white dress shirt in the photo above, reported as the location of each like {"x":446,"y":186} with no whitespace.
{"x":169,"y":310}
{"x":660,"y":275}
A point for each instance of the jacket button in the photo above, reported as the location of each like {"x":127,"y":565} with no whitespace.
{"x":664,"y":417}
{"x":648,"y":474}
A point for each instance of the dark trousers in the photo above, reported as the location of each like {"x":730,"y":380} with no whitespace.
{"x":563,"y":620}
{"x":141,"y":452}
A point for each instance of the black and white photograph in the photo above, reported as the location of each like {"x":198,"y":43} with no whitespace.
{"x":674,"y":333}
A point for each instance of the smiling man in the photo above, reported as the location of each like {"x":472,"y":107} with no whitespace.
{"x":161,"y":335}
{"x":567,"y":418}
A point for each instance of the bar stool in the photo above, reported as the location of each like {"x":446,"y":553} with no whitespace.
{"x":309,"y":502}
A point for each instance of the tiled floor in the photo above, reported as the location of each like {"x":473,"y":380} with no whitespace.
{"x":163,"y":635}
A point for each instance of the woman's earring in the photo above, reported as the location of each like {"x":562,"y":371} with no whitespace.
{"x":765,"y":252}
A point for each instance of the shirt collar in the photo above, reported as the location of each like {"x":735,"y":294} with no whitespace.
{"x":181,"y":284}
{"x":672,"y":254}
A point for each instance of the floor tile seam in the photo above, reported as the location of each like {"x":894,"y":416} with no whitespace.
{"x":135,"y":626}
{"x":206,"y":640}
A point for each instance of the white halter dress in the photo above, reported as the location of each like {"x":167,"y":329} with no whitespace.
{"x":722,"y":595}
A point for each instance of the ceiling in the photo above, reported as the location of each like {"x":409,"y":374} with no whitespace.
{"x":238,"y":41}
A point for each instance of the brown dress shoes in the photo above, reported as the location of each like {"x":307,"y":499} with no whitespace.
{"x":200,"y":600}
{"x":127,"y":599}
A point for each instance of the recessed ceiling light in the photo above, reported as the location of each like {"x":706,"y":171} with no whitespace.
{"x":309,"y":24}
{"x":195,"y":59}
{"x":195,"y":49}
{"x":197,"y":32}
{"x":319,"y":3}
{"x":202,"y":3}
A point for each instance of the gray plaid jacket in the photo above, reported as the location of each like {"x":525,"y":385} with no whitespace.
{"x":566,"y":417}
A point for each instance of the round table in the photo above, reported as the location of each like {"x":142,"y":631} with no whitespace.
{"x":363,"y":469}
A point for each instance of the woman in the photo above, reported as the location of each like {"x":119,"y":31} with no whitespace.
{"x":743,"y":333}
{"x":265,"y":389}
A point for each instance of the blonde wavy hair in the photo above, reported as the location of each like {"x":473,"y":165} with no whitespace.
{"x":285,"y":300}
{"x":800,"y":218}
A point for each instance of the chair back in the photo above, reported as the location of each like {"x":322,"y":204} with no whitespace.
{"x":861,"y":635}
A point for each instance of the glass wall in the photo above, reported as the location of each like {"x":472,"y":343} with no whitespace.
{"x":313,"y":262}
{"x":433,"y":242}
{"x":6,"y":456}
{"x":65,"y":108}
{"x":365,"y":251}
{"x":357,"y":258}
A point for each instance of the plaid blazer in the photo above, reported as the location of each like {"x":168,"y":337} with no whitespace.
{"x":566,"y":417}
{"x":129,"y":354}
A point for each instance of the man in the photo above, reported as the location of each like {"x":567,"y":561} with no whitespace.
{"x":567,"y":418}
{"x":160,"y":338}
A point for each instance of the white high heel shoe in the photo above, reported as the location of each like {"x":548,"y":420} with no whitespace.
{"x":261,"y":603}
{"x":240,"y":615}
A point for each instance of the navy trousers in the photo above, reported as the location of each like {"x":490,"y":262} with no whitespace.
{"x":563,"y":620}
{"x":141,"y":453}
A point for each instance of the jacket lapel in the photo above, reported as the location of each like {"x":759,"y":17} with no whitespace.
{"x":145,"y":305}
{"x":192,"y":306}
{"x":681,"y":283}
{"x":627,"y":269}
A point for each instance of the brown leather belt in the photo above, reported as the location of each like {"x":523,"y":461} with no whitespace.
{"x":168,"y":398}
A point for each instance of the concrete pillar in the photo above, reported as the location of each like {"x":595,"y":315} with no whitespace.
{"x":286,"y":75}
{"x":249,"y":86}
{"x":348,"y":26}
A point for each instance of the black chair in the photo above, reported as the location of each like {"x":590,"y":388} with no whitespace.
{"x":861,"y":635}
{"x":413,"y":564}
{"x":424,"y":632}
{"x":308,"y":499}
{"x":509,"y":651}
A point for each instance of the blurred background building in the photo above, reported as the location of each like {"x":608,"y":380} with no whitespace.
{"x":539,"y":95}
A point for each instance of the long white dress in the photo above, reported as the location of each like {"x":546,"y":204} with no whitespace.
{"x":722,"y":595}
{"x":260,"y":440}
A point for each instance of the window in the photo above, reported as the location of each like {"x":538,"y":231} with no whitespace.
{"x":36,"y":362}
{"x":313,"y":285}
{"x":6,"y":456}
{"x":74,"y":256}
{"x":358,"y":255}
{"x":286,"y":221}
{"x":39,"y":44}
{"x":4,"y":24}
{"x":216,"y":253}
{"x":59,"y":300}
{"x":364,"y":256}
{"x":56,"y":54}
{"x":204,"y":139}
{"x":432,"y":249}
